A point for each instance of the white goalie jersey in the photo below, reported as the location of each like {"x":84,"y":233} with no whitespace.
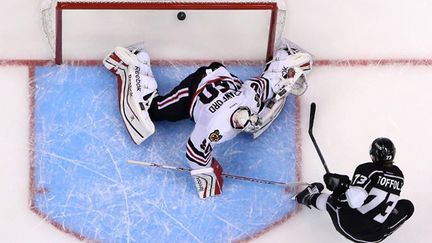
{"x":218,"y":96}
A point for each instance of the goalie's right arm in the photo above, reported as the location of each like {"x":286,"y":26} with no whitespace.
{"x":206,"y":170}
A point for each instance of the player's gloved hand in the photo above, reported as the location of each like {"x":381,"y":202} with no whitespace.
{"x":208,"y":181}
{"x":336,"y":182}
{"x":293,"y":82}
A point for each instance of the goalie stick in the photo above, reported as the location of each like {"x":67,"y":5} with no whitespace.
{"x":237,"y":177}
{"x":311,"y":123}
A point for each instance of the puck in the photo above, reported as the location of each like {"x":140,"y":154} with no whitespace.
{"x":181,"y":16}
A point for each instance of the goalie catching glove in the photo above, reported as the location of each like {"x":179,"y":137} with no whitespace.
{"x":208,"y":181}
{"x":287,"y":70}
{"x":286,"y":74}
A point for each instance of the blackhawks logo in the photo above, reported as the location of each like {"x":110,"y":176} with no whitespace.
{"x":288,"y":72}
{"x":215,"y":136}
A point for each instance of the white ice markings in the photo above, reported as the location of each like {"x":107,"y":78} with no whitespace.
{"x":125,"y":196}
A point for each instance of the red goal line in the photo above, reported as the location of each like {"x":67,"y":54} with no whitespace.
{"x":318,"y":62}
{"x":372,"y":62}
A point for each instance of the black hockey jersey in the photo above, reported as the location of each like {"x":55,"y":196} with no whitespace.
{"x":373,"y":194}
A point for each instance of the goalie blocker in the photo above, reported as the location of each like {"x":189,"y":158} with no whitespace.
{"x":136,"y":89}
{"x":208,"y":181}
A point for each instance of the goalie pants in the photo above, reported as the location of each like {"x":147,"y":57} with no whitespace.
{"x":359,"y":227}
{"x":175,"y":105}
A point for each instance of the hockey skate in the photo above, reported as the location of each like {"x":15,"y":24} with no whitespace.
{"x":137,"y":88}
{"x":135,"y":48}
{"x":305,"y":196}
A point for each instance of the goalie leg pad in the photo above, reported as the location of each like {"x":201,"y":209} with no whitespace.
{"x":113,"y":62}
{"x":126,"y":56}
{"x":136,"y":90}
{"x":208,"y":181}
{"x":132,"y":110}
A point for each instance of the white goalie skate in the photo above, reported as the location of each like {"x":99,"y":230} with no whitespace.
{"x":137,"y":88}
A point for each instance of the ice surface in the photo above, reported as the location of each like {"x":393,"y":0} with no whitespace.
{"x":86,"y":185}
{"x":350,"y":113}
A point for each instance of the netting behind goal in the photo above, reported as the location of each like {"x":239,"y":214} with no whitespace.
{"x":211,"y":30}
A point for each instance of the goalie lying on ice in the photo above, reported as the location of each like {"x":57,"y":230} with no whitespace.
{"x":218,"y":102}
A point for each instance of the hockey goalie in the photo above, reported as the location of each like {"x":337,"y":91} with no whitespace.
{"x":220,"y":104}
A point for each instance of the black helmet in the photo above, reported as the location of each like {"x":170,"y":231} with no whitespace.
{"x":382,"y":150}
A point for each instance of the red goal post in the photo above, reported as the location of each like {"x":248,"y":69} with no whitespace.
{"x":55,"y":26}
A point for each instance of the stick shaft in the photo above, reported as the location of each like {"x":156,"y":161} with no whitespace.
{"x":236,"y":177}
{"x":311,"y":123}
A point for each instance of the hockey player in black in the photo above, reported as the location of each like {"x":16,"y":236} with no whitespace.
{"x":220,"y":104}
{"x":367,"y":208}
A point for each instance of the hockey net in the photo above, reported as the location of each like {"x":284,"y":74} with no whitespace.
{"x":212,"y":30}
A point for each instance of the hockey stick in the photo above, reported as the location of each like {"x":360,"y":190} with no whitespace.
{"x":311,"y":123}
{"x":237,"y":177}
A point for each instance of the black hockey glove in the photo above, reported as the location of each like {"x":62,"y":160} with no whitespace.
{"x":336,"y":182}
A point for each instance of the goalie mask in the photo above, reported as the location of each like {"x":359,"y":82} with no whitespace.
{"x":243,"y":118}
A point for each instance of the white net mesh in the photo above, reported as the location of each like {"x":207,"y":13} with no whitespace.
{"x":48,"y":22}
{"x":98,"y":30}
